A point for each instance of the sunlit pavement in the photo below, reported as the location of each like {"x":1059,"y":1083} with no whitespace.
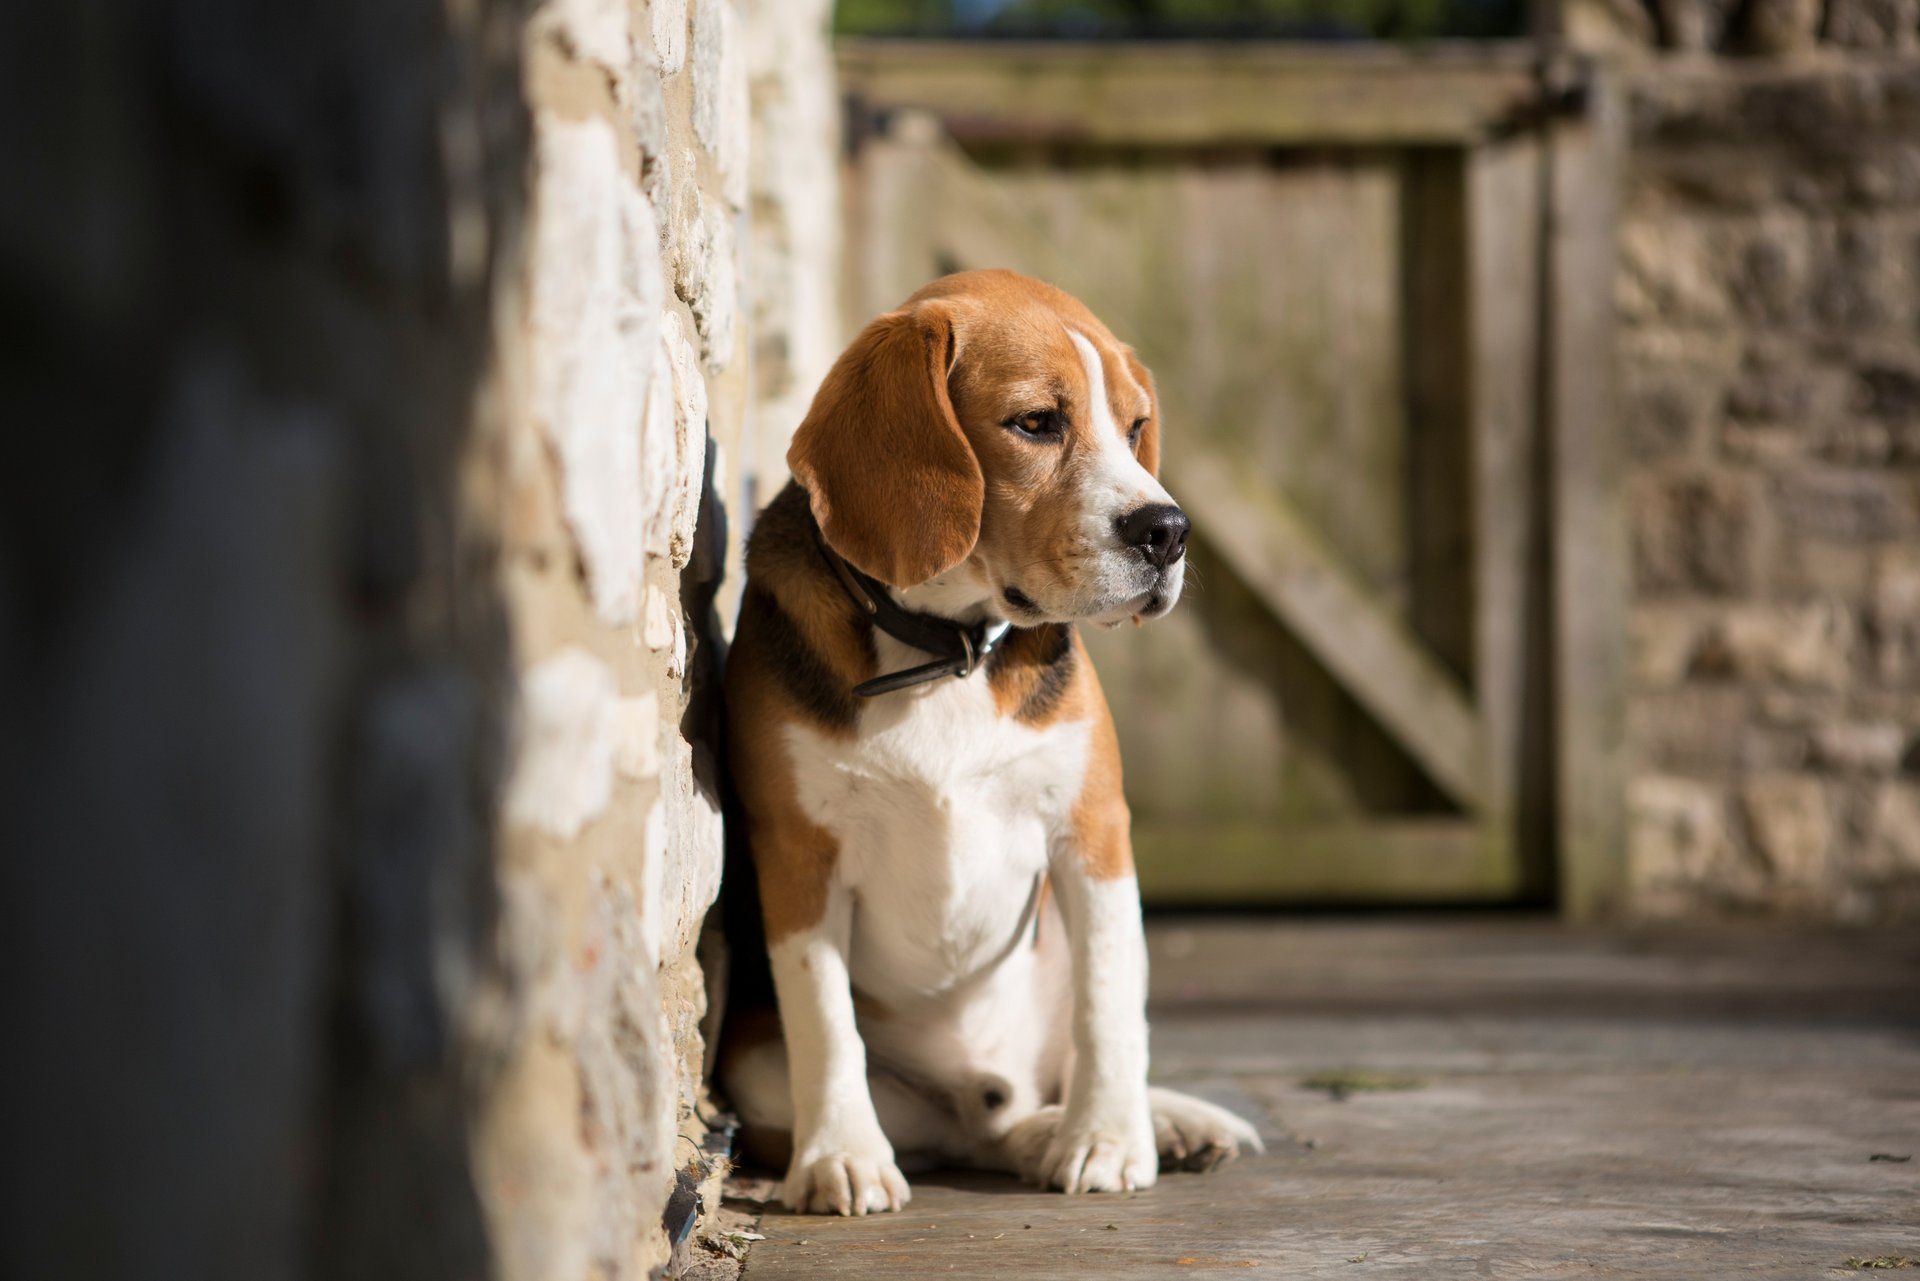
{"x":1497,"y":1097}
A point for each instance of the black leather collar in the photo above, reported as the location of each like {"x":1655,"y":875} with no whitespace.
{"x":961,"y":647}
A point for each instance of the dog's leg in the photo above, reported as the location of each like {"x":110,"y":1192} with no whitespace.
{"x":1104,"y":1140}
{"x":760,"y":1088}
{"x":842,"y":1162}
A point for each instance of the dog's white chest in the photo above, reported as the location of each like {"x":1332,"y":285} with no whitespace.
{"x":943,"y":812}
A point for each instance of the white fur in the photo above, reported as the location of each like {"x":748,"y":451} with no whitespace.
{"x":1116,"y":484}
{"x":842,"y":1160}
{"x":946,"y":815}
{"x":1105,"y":1141}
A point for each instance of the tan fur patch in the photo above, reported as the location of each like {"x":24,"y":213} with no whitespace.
{"x":793,"y":858}
{"x":1102,"y":825}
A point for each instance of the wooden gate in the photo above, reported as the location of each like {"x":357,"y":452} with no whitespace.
{"x":1375,"y":289}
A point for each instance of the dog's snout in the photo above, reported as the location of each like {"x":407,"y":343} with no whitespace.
{"x":1159,"y":530}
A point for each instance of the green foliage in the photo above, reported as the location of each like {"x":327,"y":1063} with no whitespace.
{"x":1310,"y":19}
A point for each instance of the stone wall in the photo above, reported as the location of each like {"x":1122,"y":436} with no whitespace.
{"x":662,"y":264}
{"x":1771,"y":377}
{"x":384,"y":377}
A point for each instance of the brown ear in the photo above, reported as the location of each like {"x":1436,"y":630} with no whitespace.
{"x":1149,"y":451}
{"x":893,"y":481}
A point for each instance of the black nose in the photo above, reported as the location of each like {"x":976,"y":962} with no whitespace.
{"x":1159,"y":530}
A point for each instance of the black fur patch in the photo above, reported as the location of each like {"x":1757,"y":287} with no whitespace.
{"x":805,"y":676}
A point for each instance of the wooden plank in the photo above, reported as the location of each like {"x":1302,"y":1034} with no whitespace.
{"x":1589,"y":530}
{"x":1437,"y":342}
{"x":1369,"y":650}
{"x":1502,"y":255}
{"x":1199,"y":94}
{"x":1390,"y":861}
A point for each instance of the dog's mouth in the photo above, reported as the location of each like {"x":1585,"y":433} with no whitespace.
{"x":1020,"y":602}
{"x":1155,"y":600}
{"x":1158,"y":604}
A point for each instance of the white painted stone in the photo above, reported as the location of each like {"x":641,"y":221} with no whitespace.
{"x":657,"y":629}
{"x":794,"y":251}
{"x":593,"y":31}
{"x":707,"y":277}
{"x":695,"y":851}
{"x":689,"y":439}
{"x":659,"y":467}
{"x":646,"y":105}
{"x":637,"y":722}
{"x":567,"y":738}
{"x":675,"y":444}
{"x":720,"y":95}
{"x":596,"y":297}
{"x":669,"y":22}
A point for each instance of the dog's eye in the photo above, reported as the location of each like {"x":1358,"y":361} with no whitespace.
{"x":1133,"y":434}
{"x":1038,"y":424}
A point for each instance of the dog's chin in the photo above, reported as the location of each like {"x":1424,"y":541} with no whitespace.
{"x":1151,"y":601}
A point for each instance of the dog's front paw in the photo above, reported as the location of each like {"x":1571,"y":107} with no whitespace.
{"x":1108,"y":1149}
{"x":1193,"y":1134}
{"x":833,"y":1176}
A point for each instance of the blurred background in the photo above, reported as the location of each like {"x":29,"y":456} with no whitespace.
{"x":394,"y":384}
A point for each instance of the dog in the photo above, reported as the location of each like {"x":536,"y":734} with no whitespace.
{"x":940,"y":843}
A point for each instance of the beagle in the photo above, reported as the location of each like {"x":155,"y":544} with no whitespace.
{"x":928,"y":772}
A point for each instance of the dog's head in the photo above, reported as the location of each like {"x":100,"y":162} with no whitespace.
{"x":994,"y":435}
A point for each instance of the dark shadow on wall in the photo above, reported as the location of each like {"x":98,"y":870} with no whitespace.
{"x":253,"y":664}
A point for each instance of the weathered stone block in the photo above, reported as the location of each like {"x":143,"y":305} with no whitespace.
{"x":1664,"y":640}
{"x":1690,"y":729}
{"x":1886,"y":390}
{"x":595,"y":315}
{"x":1875,"y":747}
{"x":569,"y":732}
{"x":1678,"y":831}
{"x":1845,"y":506}
{"x":1693,"y":533}
{"x":1872,"y":24}
{"x":1807,"y":567}
{"x":1893,"y":614}
{"x":1807,"y":644}
{"x":1861,"y":274}
{"x":1791,"y":826}
{"x":707,"y":278}
{"x":1776,"y":383}
{"x":667,"y":22}
{"x":1773,"y":270}
{"x":719,"y":78}
{"x":1666,"y":409}
{"x":1884,"y":172}
{"x":1671,"y":270}
{"x":1694,"y":25}
{"x":1890,"y":843}
{"x":1779,"y":27}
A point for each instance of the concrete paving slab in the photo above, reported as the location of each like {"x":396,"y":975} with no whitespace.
{"x":1698,"y":1104}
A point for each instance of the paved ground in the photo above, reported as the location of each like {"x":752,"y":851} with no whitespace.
{"x":1698,"y":1105}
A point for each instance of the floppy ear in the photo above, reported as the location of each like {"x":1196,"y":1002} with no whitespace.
{"x":1149,"y":453}
{"x":893,"y":481}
